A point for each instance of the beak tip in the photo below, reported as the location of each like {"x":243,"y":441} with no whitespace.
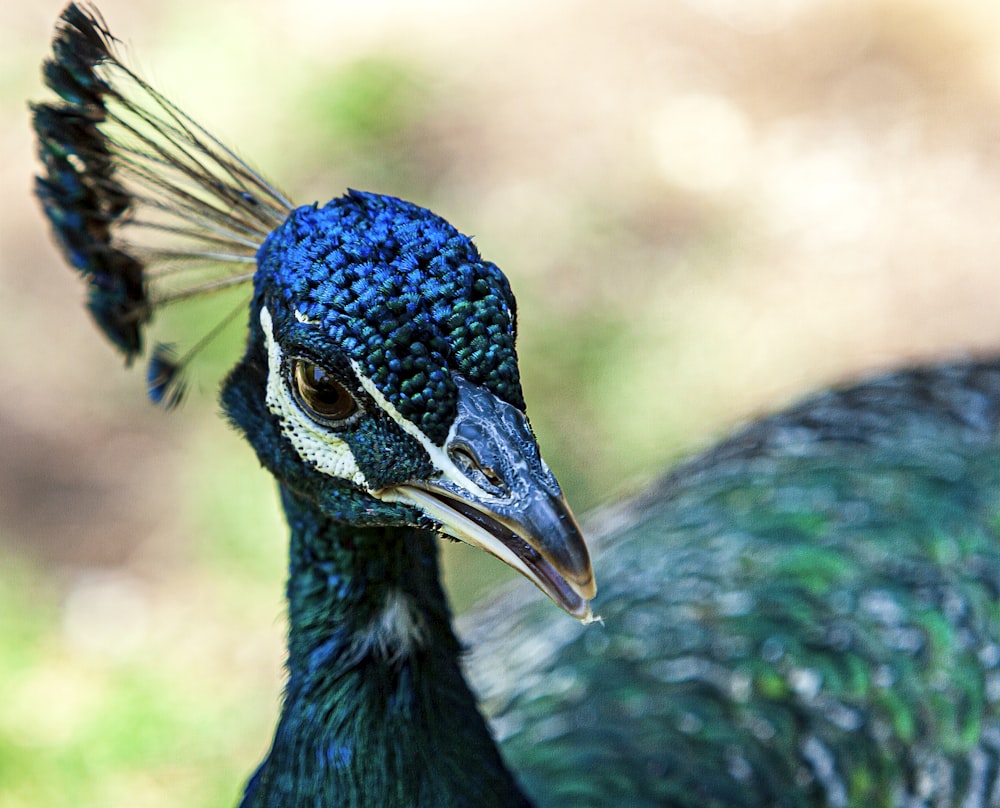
{"x":576,"y":601}
{"x":585,"y":614}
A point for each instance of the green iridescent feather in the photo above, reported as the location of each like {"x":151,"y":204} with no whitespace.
{"x":806,"y":615}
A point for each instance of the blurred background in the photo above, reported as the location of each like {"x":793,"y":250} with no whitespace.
{"x":706,"y":208}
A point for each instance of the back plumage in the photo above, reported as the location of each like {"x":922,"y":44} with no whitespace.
{"x":803,"y":616}
{"x":806,"y":615}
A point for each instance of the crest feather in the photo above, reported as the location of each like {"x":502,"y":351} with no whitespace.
{"x":145,"y":203}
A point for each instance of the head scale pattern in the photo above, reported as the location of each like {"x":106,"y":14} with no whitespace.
{"x":403,"y":294}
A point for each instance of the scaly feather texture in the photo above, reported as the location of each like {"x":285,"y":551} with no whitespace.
{"x":804,"y":616}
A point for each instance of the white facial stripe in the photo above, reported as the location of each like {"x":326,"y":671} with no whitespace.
{"x":439,"y":458}
{"x":393,"y":634}
{"x":315,"y":445}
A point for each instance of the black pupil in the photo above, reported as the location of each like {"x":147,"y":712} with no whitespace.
{"x":321,"y":393}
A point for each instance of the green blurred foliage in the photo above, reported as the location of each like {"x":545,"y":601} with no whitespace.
{"x":93,"y":727}
{"x":361,"y":106}
{"x":358,"y":122}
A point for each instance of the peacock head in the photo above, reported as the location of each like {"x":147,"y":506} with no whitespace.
{"x":381,"y":381}
{"x":380,"y":378}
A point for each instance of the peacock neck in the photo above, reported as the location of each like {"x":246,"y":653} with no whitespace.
{"x":376,"y":710}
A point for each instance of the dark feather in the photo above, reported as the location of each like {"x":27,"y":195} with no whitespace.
{"x":148,"y":206}
{"x":164,"y":377}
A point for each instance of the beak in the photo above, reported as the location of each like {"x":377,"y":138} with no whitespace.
{"x":494,"y":491}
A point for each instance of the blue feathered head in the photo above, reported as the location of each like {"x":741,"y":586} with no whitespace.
{"x":403,"y":294}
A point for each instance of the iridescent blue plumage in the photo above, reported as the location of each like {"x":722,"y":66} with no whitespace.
{"x":404,"y":294}
{"x":804,"y":616}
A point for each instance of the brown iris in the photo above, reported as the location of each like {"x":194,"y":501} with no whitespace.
{"x":323,"y":396}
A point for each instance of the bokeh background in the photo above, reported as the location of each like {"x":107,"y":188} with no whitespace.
{"x":706,"y":208}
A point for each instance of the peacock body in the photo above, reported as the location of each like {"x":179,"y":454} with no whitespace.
{"x":803,"y":616}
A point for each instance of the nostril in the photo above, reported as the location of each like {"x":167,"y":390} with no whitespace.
{"x":470,"y":465}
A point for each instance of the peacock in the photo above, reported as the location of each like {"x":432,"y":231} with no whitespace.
{"x":804,"y":615}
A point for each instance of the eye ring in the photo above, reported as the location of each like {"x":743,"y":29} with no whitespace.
{"x":321,"y":395}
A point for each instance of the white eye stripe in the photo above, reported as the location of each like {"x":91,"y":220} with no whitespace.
{"x":324,"y":451}
{"x":315,"y":445}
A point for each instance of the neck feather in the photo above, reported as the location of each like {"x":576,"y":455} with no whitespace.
{"x":376,"y":710}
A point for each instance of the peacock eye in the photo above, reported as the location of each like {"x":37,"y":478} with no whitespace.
{"x":322,"y":397}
